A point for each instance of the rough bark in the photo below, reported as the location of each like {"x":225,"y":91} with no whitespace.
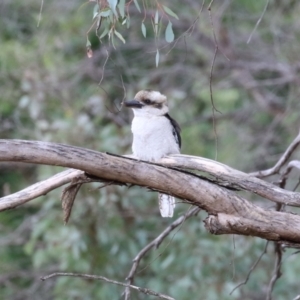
{"x":229,"y":213}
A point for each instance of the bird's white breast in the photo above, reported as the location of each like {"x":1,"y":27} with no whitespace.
{"x":153,"y":138}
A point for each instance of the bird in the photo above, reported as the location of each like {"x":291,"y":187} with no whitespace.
{"x":155,"y":135}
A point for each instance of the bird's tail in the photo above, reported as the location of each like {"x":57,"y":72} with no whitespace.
{"x":166,"y":205}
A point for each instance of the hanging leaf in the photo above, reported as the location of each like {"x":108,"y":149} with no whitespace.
{"x":112,"y":39}
{"x":157,"y":58}
{"x":121,"y":7}
{"x":156,"y":17}
{"x":119,"y":35}
{"x":137,"y":5}
{"x":113,"y":5}
{"x":156,"y":22}
{"x":105,"y":12}
{"x":88,"y":42}
{"x":143,"y":29}
{"x":98,"y":25}
{"x":169,"y":34}
{"x":104,"y":33}
{"x":127,"y":21}
{"x":95,"y":11}
{"x":170,"y":12}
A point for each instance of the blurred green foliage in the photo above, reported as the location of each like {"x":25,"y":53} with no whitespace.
{"x":50,"y":91}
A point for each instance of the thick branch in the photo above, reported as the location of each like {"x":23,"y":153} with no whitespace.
{"x":221,"y":173}
{"x":242,"y":217}
{"x":228,"y":224}
{"x":234,"y":178}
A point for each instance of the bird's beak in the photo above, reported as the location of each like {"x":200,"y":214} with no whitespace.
{"x":133,"y":103}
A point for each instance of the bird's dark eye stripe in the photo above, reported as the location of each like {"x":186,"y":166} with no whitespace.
{"x":147,"y":101}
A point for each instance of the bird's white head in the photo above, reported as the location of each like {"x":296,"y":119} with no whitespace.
{"x":148,"y":103}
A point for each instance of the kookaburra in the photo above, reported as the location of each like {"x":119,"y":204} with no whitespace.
{"x":155,"y":134}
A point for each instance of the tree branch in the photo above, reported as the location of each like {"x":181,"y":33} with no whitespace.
{"x":283,"y":159}
{"x":226,"y":175}
{"x":88,"y":276}
{"x":38,"y":189}
{"x":155,"y":243}
{"x":276,"y":272}
{"x":229,"y":213}
{"x":251,"y":269}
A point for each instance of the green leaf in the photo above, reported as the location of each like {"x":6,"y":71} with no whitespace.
{"x":98,"y":25}
{"x":156,"y":17}
{"x":113,"y":5}
{"x":170,"y":12}
{"x":111,"y":17}
{"x":88,"y":43}
{"x":111,"y":37}
{"x":157,"y":58}
{"x":127,"y":21}
{"x":105,"y":12}
{"x":104,"y":33}
{"x":137,"y":5}
{"x":119,"y":35}
{"x":95,"y":11}
{"x":169,"y":34}
{"x":156,"y":22}
{"x":143,"y":29}
{"x":121,"y":7}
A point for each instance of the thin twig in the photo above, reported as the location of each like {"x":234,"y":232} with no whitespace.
{"x":258,"y":22}
{"x":252,"y":268}
{"x":214,"y":57}
{"x":189,"y":31}
{"x":283,"y":159}
{"x":277,"y":270}
{"x":233,"y":257}
{"x":40,"y":14}
{"x":155,"y":243}
{"x":103,"y":68}
{"x":284,"y":177}
{"x":96,"y":277}
{"x":211,"y":76}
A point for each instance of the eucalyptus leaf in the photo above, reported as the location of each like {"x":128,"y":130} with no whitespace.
{"x":113,"y":5}
{"x":157,"y":58}
{"x":170,"y":12}
{"x":169,"y":34}
{"x":127,"y":21}
{"x":119,"y":35}
{"x":95,"y":11}
{"x":104,"y":33}
{"x":88,"y":42}
{"x":143,"y":27}
{"x":105,"y":12}
{"x":156,"y":17}
{"x":111,"y":36}
{"x":137,"y":5}
{"x":156,"y":22}
{"x":121,"y":7}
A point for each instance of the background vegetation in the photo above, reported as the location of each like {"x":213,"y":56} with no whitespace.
{"x":50,"y":91}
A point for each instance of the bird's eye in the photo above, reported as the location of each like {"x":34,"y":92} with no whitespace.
{"x":147,"y":101}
